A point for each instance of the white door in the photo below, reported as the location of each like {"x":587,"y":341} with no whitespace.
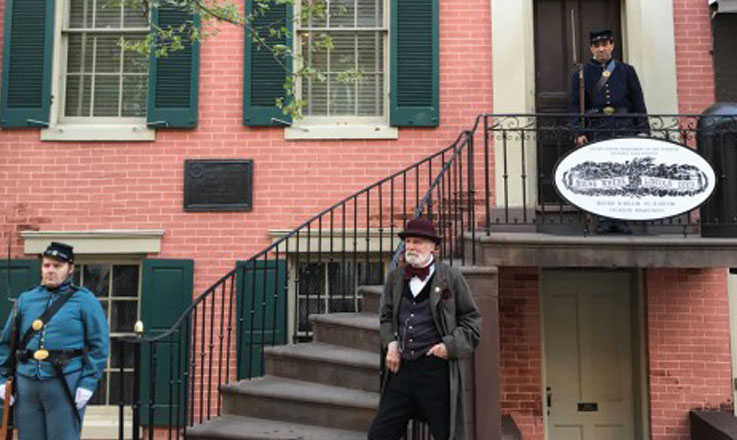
{"x":588,"y":355}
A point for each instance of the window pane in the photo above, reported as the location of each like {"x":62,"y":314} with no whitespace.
{"x":80,"y":14}
{"x":125,"y":280}
{"x":104,"y":304}
{"x":370,"y":13}
{"x":79,"y":58}
{"x":370,"y":95}
{"x":342,"y":13}
{"x":107,"y":57}
{"x":370,"y":52}
{"x":134,"y":62}
{"x":134,"y":95}
{"x":341,"y":279}
{"x":371,"y":274}
{"x":107,"y":90}
{"x":133,"y":15}
{"x":343,"y":54}
{"x":100,"y":393}
{"x":108,"y":14}
{"x":311,"y":279}
{"x":123,"y":355}
{"x":124,"y":315}
{"x":97,"y":278}
{"x":342,"y":97}
{"x":128,"y":378}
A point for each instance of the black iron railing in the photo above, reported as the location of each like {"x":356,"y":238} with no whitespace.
{"x":315,"y":268}
{"x":524,"y":149}
{"x":267,"y":300}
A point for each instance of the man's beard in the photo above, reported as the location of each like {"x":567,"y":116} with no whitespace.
{"x":417,"y":259}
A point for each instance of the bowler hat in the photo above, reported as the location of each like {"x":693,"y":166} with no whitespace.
{"x":420,"y":227}
{"x":59,"y":251}
{"x":600,"y":34}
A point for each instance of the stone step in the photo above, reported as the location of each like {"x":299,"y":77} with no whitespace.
{"x":246,"y":428}
{"x":354,"y":330}
{"x":294,"y":401}
{"x":371,"y":296}
{"x":326,"y":364}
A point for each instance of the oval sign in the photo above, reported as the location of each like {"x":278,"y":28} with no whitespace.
{"x":634,"y":178}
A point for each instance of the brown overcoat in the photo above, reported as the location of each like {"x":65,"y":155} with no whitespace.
{"x":457,"y":319}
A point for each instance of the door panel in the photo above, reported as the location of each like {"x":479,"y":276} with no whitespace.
{"x":555,"y":22}
{"x":588,"y":355}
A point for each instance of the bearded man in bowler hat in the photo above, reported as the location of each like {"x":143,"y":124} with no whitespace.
{"x":429,"y":322}
{"x":61,"y":352}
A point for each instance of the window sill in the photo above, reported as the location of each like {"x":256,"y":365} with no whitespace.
{"x":98,"y":132}
{"x":341,"y":131}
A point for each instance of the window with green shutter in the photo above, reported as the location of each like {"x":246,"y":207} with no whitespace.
{"x":414,"y":63}
{"x":381,"y":68}
{"x":264,"y":75}
{"x":26,"y":79}
{"x":102,"y":84}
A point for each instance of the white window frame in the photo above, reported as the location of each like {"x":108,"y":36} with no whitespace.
{"x":345,"y":127}
{"x":83,"y":128}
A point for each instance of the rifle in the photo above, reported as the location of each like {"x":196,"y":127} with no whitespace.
{"x":579,"y":66}
{"x":6,"y":433}
{"x":7,"y":429}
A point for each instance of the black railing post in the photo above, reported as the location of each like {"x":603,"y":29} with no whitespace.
{"x":121,"y":398}
{"x":136,"y":388}
{"x":471,"y":197}
{"x":486,"y":175}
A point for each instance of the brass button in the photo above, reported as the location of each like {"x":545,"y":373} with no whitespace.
{"x":40,"y":355}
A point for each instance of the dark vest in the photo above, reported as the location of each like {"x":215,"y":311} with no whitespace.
{"x":417,"y":332}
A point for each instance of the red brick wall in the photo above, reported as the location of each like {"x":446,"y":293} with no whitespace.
{"x":94,"y":185}
{"x":688,"y":346}
{"x":520,"y":347}
{"x":695,"y":70}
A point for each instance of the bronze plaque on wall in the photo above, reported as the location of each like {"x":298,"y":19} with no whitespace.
{"x":218,"y":185}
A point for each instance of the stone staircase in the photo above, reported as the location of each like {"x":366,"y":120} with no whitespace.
{"x":327,"y":389}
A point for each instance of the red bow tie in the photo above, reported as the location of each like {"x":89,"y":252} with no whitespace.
{"x":419,"y":272}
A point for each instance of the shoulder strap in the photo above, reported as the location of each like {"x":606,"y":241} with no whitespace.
{"x":46,"y":317}
{"x":605,"y":75}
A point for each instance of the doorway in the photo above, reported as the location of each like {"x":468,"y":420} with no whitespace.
{"x":561,"y":33}
{"x":591,"y":350}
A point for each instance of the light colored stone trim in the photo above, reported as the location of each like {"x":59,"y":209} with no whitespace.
{"x":98,"y":132}
{"x":341,"y":131}
{"x":99,"y":242}
{"x":388,"y":242}
{"x":648,"y":43}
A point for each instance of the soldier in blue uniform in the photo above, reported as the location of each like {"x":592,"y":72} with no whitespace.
{"x":612,"y":90}
{"x":62,"y":349}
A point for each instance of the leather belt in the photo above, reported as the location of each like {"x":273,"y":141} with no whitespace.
{"x":60,"y":357}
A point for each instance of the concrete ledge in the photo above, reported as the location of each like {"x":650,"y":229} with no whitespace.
{"x":544,"y":250}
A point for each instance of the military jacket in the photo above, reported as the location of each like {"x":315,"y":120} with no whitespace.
{"x":78,"y":324}
{"x":622,"y":93}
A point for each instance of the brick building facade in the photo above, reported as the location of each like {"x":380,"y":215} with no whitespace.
{"x":68,"y":188}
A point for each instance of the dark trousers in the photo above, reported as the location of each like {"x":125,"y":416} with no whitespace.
{"x":418,"y":390}
{"x":42,"y":410}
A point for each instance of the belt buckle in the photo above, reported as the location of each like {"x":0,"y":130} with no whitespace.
{"x":608,"y":110}
{"x":40,"y":355}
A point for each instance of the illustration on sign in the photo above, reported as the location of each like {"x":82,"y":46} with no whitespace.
{"x":635,"y":178}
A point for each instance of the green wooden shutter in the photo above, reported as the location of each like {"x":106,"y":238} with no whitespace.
{"x":26,"y":78}
{"x":261,"y":288}
{"x":264,"y":75}
{"x":173,"y":80}
{"x":166,"y":292}
{"x":24,"y":274}
{"x":414,"y":63}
